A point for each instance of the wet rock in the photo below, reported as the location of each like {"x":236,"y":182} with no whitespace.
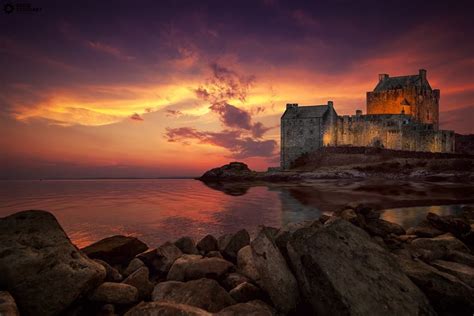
{"x":214,"y":254}
{"x":447,"y":294}
{"x":324,"y":218}
{"x":424,"y":229}
{"x":245,"y":292}
{"x":461,"y":271}
{"x":116,"y":249}
{"x":326,"y":260}
{"x":275,"y":276}
{"x":368,"y":211}
{"x":461,"y":257}
{"x":107,"y":310}
{"x":133,"y":266}
{"x":270,"y":231}
{"x":232,"y":280}
{"x":164,"y":289}
{"x":111,"y":274}
{"x":252,"y":308}
{"x":115,"y":293}
{"x":140,"y":280}
{"x":407,"y":238}
{"x":7,"y":305}
{"x":186,"y":245}
{"x":213,"y":268}
{"x":383,"y":228}
{"x":232,"y":171}
{"x":230,"y":244}
{"x":203,"y":293}
{"x":165,"y":309}
{"x":207,"y":243}
{"x":40,"y":267}
{"x":162,"y":258}
{"x":449,"y":223}
{"x":440,"y":245}
{"x":177,"y":271}
{"x":246,"y":264}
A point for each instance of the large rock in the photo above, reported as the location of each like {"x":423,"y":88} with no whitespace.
{"x":461,"y":257}
{"x":341,"y":271}
{"x":186,"y":245}
{"x":441,"y":245}
{"x":203,"y":293}
{"x":164,"y":289}
{"x":382,"y":228}
{"x":7,"y":305}
{"x":275,"y":276}
{"x":140,"y":280}
{"x":207,"y":243}
{"x":246,"y":264}
{"x":133,"y":266}
{"x":245,"y":292}
{"x":461,"y":271}
{"x":115,"y":293}
{"x":447,"y":294}
{"x":213,"y":268}
{"x":424,"y":229}
{"x":40,"y":267}
{"x":162,"y":258}
{"x":111,"y":274}
{"x":232,"y":280}
{"x":116,"y":249}
{"x":252,"y":308}
{"x":165,"y":309}
{"x":232,"y":171}
{"x":230,"y":244}
{"x":177,"y":271}
{"x":449,"y":223}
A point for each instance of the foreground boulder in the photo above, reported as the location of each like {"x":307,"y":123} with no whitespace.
{"x":246,"y":264}
{"x":275,"y":276}
{"x":7,"y":305}
{"x":207,"y":243}
{"x":161,"y":259}
{"x":164,"y":289}
{"x":186,"y":245}
{"x":185,"y":269}
{"x":448,"y":294}
{"x":115,"y":293}
{"x":203,"y":293}
{"x":116,"y":249}
{"x":165,"y":309}
{"x":341,"y":271}
{"x":230,"y":244}
{"x":140,"y":280}
{"x":39,"y":265}
{"x":254,"y":308}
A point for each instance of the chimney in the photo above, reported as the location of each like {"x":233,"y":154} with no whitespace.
{"x":358,"y":112}
{"x":291,"y":105}
{"x":382,"y":77}
{"x":422,"y":73}
{"x":330,"y":103}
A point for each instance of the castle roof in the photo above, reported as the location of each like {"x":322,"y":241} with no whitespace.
{"x":393,"y":83}
{"x":309,"y":111}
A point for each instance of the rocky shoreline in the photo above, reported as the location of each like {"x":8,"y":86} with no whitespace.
{"x":350,"y":263}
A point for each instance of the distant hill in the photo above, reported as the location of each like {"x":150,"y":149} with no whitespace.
{"x":464,"y":144}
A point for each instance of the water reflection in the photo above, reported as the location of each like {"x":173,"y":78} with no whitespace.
{"x":160,"y":210}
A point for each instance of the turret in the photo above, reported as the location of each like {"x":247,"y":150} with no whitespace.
{"x":383,"y":77}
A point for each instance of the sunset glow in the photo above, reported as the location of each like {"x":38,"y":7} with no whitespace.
{"x":99,"y":90}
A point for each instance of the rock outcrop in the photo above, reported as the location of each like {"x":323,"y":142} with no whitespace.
{"x":328,"y":259}
{"x":116,"y":249}
{"x":233,"y":170}
{"x":40,"y":267}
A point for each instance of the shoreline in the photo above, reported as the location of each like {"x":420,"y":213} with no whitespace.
{"x":122,"y":275}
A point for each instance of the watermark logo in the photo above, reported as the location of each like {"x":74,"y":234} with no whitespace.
{"x":20,"y":7}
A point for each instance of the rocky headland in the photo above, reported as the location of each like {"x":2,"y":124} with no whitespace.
{"x":350,"y":263}
{"x":356,"y":163}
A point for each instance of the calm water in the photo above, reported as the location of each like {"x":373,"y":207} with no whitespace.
{"x":160,"y":210}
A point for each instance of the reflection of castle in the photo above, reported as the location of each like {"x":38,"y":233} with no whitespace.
{"x":402,"y":113}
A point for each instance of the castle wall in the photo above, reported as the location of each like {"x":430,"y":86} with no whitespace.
{"x":423,"y":104}
{"x":299,"y":136}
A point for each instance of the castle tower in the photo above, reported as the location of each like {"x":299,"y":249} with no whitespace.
{"x":410,"y":95}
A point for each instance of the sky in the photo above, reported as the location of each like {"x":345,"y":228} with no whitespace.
{"x":173,"y":88}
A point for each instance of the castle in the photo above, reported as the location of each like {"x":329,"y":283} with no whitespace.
{"x":402,"y":113}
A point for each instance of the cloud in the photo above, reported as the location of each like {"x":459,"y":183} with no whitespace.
{"x":233,"y":140}
{"x":231,"y":116}
{"x":175,"y":113}
{"x":258,"y":130}
{"x":108,"y":49}
{"x":136,"y":117}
